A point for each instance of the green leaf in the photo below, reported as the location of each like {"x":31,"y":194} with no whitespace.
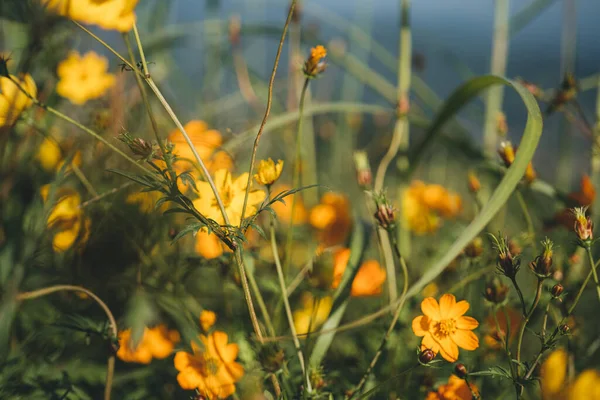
{"x":140,"y":313}
{"x":136,"y":178}
{"x":531,"y":136}
{"x":195,"y":227}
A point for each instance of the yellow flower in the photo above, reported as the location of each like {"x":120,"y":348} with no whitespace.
{"x":553,"y":374}
{"x":314,"y":65}
{"x":66,"y":219}
{"x":444,"y":327}
{"x":211,"y":370}
{"x":303,"y":318}
{"x":455,"y":389}
{"x":207,"y":319}
{"x":368,"y":280}
{"x":332,"y":219}
{"x":12,"y":100}
{"x":268,"y":172}
{"x":108,"y":14}
{"x":422,"y":206}
{"x":50,"y":157}
{"x":83,"y":78}
{"x":157,"y":342}
{"x":208,"y":245}
{"x":232,"y":193}
{"x":586,"y":386}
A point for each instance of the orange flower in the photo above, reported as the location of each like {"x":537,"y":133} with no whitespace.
{"x":207,"y":319}
{"x":107,"y":14}
{"x":455,"y":389}
{"x":444,"y":327}
{"x":157,"y":342}
{"x":423,"y":204}
{"x":368,"y":280}
{"x":332,"y":219}
{"x":284,"y":211}
{"x":208,"y":245}
{"x":212,"y":370}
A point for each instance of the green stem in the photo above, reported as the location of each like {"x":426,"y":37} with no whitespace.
{"x":261,"y":303}
{"x":296,"y":178}
{"x":392,"y":324}
{"x":594,"y":273}
{"x":514,"y":281}
{"x":536,"y":300}
{"x":247,"y":295}
{"x":286,"y":303}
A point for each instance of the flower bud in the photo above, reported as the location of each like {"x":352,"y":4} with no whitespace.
{"x":583,"y":227}
{"x":507,"y":264}
{"x":543,"y":263}
{"x":386,"y":213}
{"x":314,"y":64}
{"x":557,"y":290}
{"x":268,"y":172}
{"x":426,"y":356}
{"x":474,"y":184}
{"x":501,"y":125}
{"x":495,"y":291}
{"x":461,"y":371}
{"x":317,"y":378}
{"x":507,"y":153}
{"x":364,"y":176}
{"x":564,"y":329}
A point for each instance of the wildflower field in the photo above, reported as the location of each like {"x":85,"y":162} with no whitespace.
{"x":320,"y":224}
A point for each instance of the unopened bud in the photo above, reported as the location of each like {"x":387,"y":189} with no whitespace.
{"x":557,"y":290}
{"x":507,"y":264}
{"x":583,"y":226}
{"x":495,"y":291}
{"x":474,"y":184}
{"x":565,"y":329}
{"x":364,"y":176}
{"x":543,"y":263}
{"x":461,"y":371}
{"x":507,"y":153}
{"x":426,"y":356}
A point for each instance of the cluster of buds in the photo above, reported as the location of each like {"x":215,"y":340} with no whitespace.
{"x":139,"y":146}
{"x":507,"y":264}
{"x":507,"y":153}
{"x":567,"y":92}
{"x":583,"y":227}
{"x":364,"y":176}
{"x":495,"y":291}
{"x":473,"y":182}
{"x":314,"y":64}
{"x":386,"y":213}
{"x":543,"y":263}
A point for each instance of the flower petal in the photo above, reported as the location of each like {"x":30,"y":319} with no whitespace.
{"x":182,"y":360}
{"x":459,"y":309}
{"x":465,"y":339}
{"x":430,"y":308}
{"x":448,"y":349}
{"x":420,"y":325}
{"x":466,"y":323}
{"x":429,"y":342}
{"x":447,"y":303}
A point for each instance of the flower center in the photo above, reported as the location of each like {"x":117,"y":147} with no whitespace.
{"x":226,"y":195}
{"x":446,"y":327}
{"x":210,"y":366}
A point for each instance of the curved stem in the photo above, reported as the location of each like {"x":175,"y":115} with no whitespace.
{"x":392,"y":324}
{"x":296,"y":178}
{"x":110,"y":368}
{"x":286,"y":303}
{"x":269,"y":102}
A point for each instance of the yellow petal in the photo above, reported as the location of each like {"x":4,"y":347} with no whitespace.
{"x":447,"y":302}
{"x":430,"y":308}
{"x":465,"y":339}
{"x":420,"y":325}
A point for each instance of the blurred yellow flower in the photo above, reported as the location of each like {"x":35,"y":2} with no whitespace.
{"x":108,"y":14}
{"x":232,"y":193}
{"x":157,"y":342}
{"x":455,"y":389}
{"x":553,"y":374}
{"x":12,"y":100}
{"x":368,"y":280}
{"x":208,"y":245}
{"x":268,"y":172}
{"x":146,"y":201}
{"x":423,"y":205}
{"x":586,"y":386}
{"x":284,"y":211}
{"x":332,"y":219}
{"x":212,"y":370}
{"x":66,"y":219}
{"x":49,"y":155}
{"x":83,"y":78}
{"x":311,"y":315}
{"x":444,"y":327}
{"x":207,"y":319}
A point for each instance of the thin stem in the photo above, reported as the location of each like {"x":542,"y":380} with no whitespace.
{"x":248,"y":296}
{"x":110,"y":367}
{"x":299,"y":278}
{"x":136,"y":34}
{"x":286,"y":303}
{"x":470,"y":278}
{"x":296,"y":178}
{"x":504,"y":339}
{"x":77,"y":124}
{"x":105,"y":194}
{"x":84,"y":181}
{"x":536,"y":300}
{"x":594,"y":273}
{"x":261,"y":303}
{"x":580,"y":292}
{"x":392,"y":324}
{"x":514,"y":281}
{"x":268,"y":109}
{"x":532,"y":368}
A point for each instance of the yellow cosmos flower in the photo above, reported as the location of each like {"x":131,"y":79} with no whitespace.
{"x":49,"y":155}
{"x":268,"y":172}
{"x":423,"y":205}
{"x":232,"y":193}
{"x":368,"y":280}
{"x":208,"y":245}
{"x":66,"y":219}
{"x":444,"y":327}
{"x":311,"y":315}
{"x":455,"y":389}
{"x":108,"y":14}
{"x":157,"y":342}
{"x":83,"y":78}
{"x":207,"y":319}
{"x":553,"y":374}
{"x":12,"y":100}
{"x":211,"y":370}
